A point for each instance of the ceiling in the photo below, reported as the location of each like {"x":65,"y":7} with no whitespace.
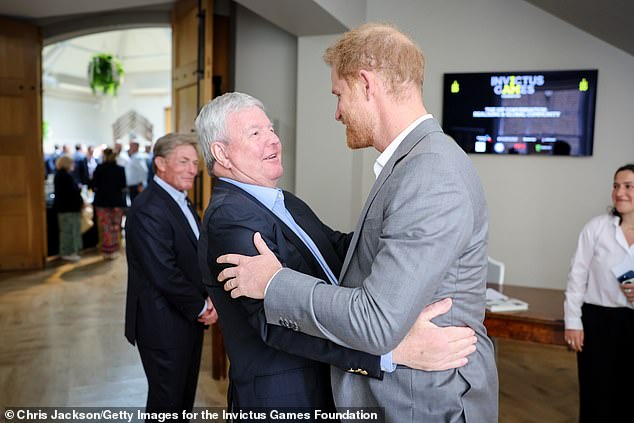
{"x":39,"y":9}
{"x":609,"y":20}
{"x":150,"y":49}
{"x":139,"y":50}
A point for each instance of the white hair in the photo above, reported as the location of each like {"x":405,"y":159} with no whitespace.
{"x":211,"y":122}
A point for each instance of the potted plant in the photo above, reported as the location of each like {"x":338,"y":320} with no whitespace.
{"x":104,"y":73}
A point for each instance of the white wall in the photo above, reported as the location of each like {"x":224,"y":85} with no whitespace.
{"x":266,"y":68}
{"x":70,"y":121}
{"x":330,"y":177}
{"x":537,"y":205}
{"x":88,"y":120}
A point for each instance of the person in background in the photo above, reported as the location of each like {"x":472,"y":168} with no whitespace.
{"x":167,"y":305}
{"x":108,"y":184}
{"x":122,"y":155}
{"x":50,"y":160}
{"x":136,"y":170}
{"x":598,"y":309}
{"x":91,"y":161}
{"x":149,"y":156}
{"x":80,"y":172}
{"x":68,"y":203}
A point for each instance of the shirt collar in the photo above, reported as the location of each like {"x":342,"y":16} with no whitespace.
{"x":265,"y":195}
{"x":616,"y":221}
{"x":391,"y":148}
{"x":178,"y":196}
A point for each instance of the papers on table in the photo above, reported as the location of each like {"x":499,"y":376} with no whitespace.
{"x":496,"y":301}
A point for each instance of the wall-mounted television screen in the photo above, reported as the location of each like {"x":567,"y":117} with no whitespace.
{"x":534,"y":112}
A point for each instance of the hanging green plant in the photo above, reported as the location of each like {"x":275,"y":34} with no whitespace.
{"x":104,"y":73}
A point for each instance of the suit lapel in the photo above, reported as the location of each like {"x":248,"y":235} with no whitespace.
{"x":411,"y":140}
{"x":308,"y":224}
{"x":194,"y":213}
{"x":176,"y":211}
{"x":288,"y":233}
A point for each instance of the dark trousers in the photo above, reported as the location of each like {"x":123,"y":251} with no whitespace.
{"x":172,"y":376}
{"x":605,"y":364}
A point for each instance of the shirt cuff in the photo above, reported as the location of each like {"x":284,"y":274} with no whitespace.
{"x":204,"y":309}
{"x":386,"y":363}
{"x":266,"y":288}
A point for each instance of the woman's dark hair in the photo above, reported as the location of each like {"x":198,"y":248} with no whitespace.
{"x":630,"y":167}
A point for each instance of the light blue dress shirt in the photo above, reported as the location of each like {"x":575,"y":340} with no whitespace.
{"x":273,"y":199}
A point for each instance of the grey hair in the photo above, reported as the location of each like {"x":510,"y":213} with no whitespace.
{"x":167,"y":143}
{"x":211,"y":123}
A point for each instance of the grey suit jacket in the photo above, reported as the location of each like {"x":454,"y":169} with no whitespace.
{"x":421,"y":237}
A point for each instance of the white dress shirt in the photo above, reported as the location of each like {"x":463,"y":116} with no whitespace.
{"x":391,"y":148}
{"x":601,"y":247}
{"x":136,"y":169}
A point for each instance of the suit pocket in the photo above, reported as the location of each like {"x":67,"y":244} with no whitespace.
{"x":289,"y":382}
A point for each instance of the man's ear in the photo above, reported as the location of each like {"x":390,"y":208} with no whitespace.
{"x":367,"y":82}
{"x":218,"y":150}
{"x":160,"y":163}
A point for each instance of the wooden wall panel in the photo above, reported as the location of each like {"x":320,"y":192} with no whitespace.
{"x":22,"y":209}
{"x":13,"y":119}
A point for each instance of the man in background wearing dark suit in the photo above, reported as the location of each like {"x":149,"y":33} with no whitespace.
{"x":167,"y":304}
{"x":80,"y":173}
{"x":272,"y":366}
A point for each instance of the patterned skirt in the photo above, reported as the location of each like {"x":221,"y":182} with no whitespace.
{"x":109,"y":220}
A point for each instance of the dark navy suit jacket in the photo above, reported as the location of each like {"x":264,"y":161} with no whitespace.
{"x":165,"y":290}
{"x":272,"y":366}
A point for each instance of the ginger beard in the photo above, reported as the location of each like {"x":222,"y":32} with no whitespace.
{"x":359,"y":130}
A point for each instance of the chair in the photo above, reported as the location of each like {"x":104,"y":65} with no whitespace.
{"x":495,"y":273}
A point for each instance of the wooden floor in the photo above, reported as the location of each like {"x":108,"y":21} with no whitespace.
{"x":62,"y":344}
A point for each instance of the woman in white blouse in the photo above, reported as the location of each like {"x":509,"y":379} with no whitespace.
{"x":599,"y":310}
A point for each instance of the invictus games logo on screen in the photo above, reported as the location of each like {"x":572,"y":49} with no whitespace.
{"x":515,"y":86}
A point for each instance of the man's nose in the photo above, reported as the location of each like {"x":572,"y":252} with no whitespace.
{"x":273,"y":138}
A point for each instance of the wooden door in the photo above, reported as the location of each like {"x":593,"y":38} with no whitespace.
{"x":192,"y":69}
{"x":192,"y":25}
{"x":22,"y":207}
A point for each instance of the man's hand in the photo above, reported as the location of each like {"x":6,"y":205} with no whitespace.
{"x":574,"y":339}
{"x":250,"y":275}
{"x":429,"y":347}
{"x":628,"y":291}
{"x":210,"y":316}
